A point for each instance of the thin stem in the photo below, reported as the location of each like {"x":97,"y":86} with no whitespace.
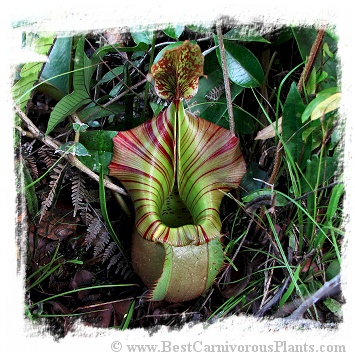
{"x":311,"y":59}
{"x":147,"y":85}
{"x":225,"y":77}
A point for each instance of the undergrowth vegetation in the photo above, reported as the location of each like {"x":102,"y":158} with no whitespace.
{"x":282,"y":228}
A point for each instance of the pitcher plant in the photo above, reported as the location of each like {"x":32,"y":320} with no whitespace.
{"x":176,"y":168}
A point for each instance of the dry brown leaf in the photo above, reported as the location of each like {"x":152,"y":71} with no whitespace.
{"x":269,"y":131}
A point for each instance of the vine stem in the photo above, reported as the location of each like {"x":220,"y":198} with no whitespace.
{"x":54,"y":144}
{"x":225,"y":77}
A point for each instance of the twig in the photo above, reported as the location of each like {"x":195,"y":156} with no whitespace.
{"x":311,"y":59}
{"x":273,"y":300}
{"x":54,"y":144}
{"x":225,"y":77}
{"x":329,"y":288}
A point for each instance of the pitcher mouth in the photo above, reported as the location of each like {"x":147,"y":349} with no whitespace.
{"x":182,"y":160}
{"x":174,"y":212}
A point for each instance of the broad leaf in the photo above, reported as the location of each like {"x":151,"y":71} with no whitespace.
{"x":243,"y":67}
{"x":56,"y":70}
{"x":176,"y":74}
{"x":292,"y":127}
{"x":143,"y":36}
{"x":174,"y":31}
{"x":244,"y":34}
{"x":73,"y":148}
{"x":83,"y":70}
{"x":321,"y":96}
{"x":92,"y":112}
{"x":326,"y":106}
{"x":113,"y":73}
{"x":30,"y":72}
{"x":103,"y":51}
{"x":100,"y":147}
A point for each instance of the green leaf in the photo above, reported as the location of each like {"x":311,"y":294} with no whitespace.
{"x":80,"y":127}
{"x":333,"y":270}
{"x":83,"y":71}
{"x":244,"y":122}
{"x":312,"y":83}
{"x":252,"y":180}
{"x":292,"y":125}
{"x":143,"y":37}
{"x":244,"y":34}
{"x":326,"y":106}
{"x":210,"y":101}
{"x":333,"y":206}
{"x":115,"y":72}
{"x":73,"y":148}
{"x":157,"y":108}
{"x":92,"y":112}
{"x":30,"y":72}
{"x":200,"y":28}
{"x":174,"y":31}
{"x":305,"y":37}
{"x":243,"y":67}
{"x":321,"y":96}
{"x":103,"y":51}
{"x":280,"y":200}
{"x":334,"y":306}
{"x":328,"y":168}
{"x":177,"y":72}
{"x":103,"y":207}
{"x":127,"y":316}
{"x":100,"y":147}
{"x":291,"y":287}
{"x":57,"y":69}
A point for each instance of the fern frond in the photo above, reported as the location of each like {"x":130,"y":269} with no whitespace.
{"x":57,"y":177}
{"x":30,"y":161}
{"x":79,"y":192}
{"x":109,"y":251}
{"x":114,"y":260}
{"x":48,"y":156}
{"x":92,"y":231}
{"x":104,"y":238}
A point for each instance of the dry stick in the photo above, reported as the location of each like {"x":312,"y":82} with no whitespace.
{"x":54,"y":144}
{"x":329,"y":288}
{"x":225,"y":77}
{"x":311,"y":59}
